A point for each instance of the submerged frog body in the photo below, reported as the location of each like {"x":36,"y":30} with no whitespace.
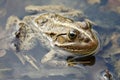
{"x":63,"y":36}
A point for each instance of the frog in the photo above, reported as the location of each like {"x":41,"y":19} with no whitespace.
{"x":57,"y":30}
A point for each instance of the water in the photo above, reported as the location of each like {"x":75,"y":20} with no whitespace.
{"x":103,"y":12}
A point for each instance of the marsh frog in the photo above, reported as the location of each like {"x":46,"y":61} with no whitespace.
{"x":57,"y":30}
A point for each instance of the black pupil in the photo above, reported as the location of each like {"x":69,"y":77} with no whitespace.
{"x":72,"y":34}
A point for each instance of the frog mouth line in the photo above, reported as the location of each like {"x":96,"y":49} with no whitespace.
{"x":77,"y":49}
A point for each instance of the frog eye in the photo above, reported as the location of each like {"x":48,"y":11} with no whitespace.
{"x":72,"y":34}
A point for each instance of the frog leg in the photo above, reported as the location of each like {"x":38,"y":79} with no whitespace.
{"x":51,"y":59}
{"x":27,"y":58}
{"x":25,"y":43}
{"x":59,"y":9}
{"x":47,"y":8}
{"x":12,"y":23}
{"x":31,"y":60}
{"x":73,"y":14}
{"x":12,"y":28}
{"x":20,"y":40}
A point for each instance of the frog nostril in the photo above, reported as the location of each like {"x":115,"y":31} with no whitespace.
{"x":81,"y":37}
{"x":86,"y":39}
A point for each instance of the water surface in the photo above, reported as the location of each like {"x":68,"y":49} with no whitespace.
{"x":104,"y":13}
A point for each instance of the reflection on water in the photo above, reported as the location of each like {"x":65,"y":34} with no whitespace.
{"x":105,"y":13}
{"x":86,"y":61}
